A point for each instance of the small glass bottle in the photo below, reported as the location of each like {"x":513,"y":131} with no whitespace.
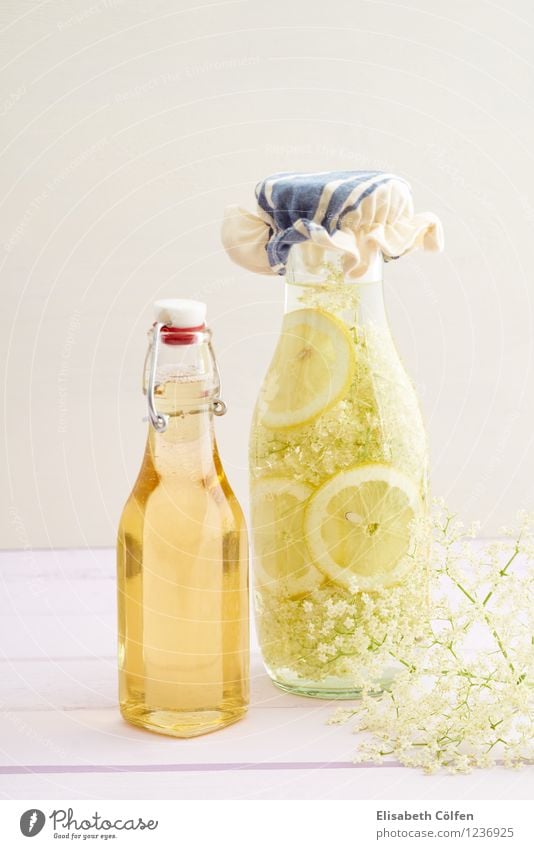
{"x":182,"y":553}
{"x":338,"y":461}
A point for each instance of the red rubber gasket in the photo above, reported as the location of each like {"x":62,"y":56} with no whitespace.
{"x":181,"y":335}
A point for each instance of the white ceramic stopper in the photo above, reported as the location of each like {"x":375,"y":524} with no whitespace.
{"x":178,"y":312}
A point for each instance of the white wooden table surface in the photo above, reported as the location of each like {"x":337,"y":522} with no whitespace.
{"x":62,"y":737}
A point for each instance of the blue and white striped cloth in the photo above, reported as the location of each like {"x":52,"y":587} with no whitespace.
{"x":355,"y":212}
{"x":298,"y":204}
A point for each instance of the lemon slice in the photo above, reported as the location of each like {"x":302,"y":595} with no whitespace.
{"x":358,"y":526}
{"x":312,"y":368}
{"x":282,"y":560}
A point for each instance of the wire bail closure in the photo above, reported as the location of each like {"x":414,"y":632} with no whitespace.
{"x":219,"y":406}
{"x":160,"y":421}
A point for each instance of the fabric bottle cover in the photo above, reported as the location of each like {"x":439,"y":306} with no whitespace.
{"x":356,"y":213}
{"x":179,"y":312}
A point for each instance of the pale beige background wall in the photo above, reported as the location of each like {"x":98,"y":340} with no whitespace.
{"x":127,"y":127}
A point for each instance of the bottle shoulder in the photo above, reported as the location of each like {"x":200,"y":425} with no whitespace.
{"x":183,"y":496}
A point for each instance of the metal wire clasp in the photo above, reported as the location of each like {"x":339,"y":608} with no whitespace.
{"x":159,"y":421}
{"x":219,"y":406}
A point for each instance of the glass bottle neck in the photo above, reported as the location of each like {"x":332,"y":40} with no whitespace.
{"x":186,"y":448}
{"x":324,"y":285}
{"x":185,"y":388}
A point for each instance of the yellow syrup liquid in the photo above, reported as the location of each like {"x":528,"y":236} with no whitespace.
{"x":183,"y":579}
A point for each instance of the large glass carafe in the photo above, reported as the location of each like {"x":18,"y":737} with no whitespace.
{"x":338,"y":464}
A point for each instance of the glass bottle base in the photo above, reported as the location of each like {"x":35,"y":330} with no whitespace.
{"x":333,"y":688}
{"x":318,"y":692}
{"x":176,"y":723}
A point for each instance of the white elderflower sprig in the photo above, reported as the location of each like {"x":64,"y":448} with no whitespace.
{"x":465,"y":696}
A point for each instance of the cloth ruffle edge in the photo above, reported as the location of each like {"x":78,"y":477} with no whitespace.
{"x":392,"y":228}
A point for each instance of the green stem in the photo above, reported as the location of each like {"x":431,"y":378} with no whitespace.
{"x":499,"y":643}
{"x":488,"y":623}
{"x":468,"y":595}
{"x":503,"y":571}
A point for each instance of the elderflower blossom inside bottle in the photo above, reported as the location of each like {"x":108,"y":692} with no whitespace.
{"x":338,"y":453}
{"x":182,"y":555}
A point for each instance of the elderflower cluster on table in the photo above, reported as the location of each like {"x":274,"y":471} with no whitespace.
{"x":464,"y":697}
